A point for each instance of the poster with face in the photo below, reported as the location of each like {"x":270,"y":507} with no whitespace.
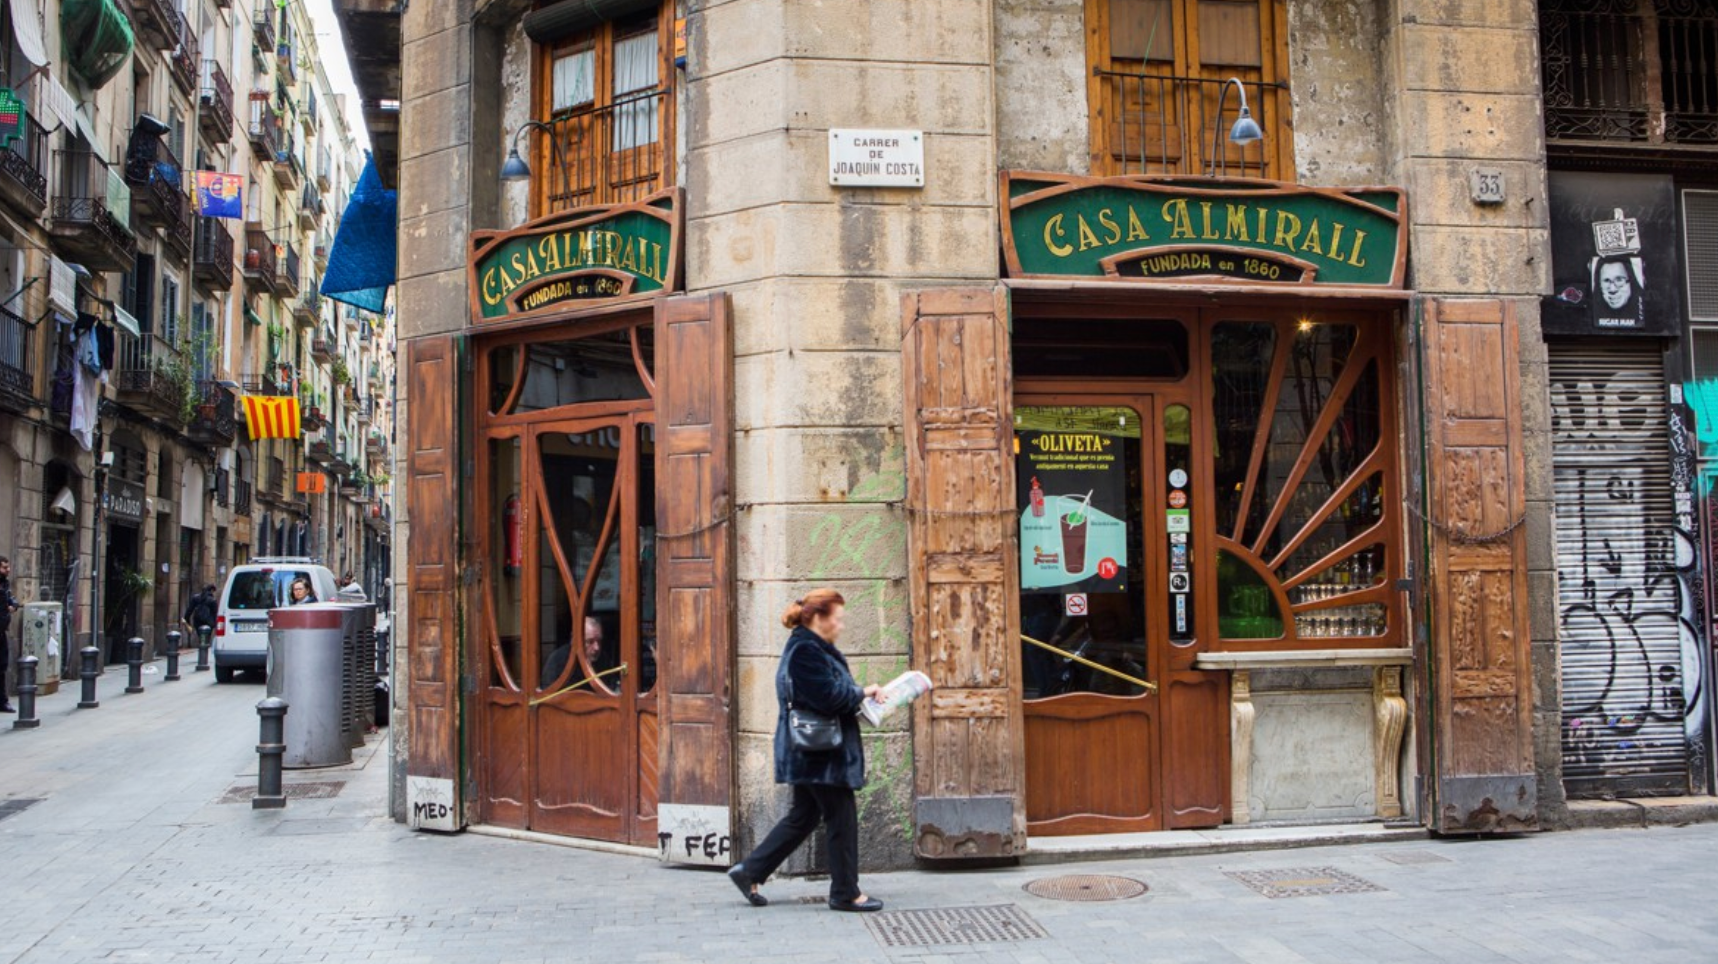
{"x":1614,"y":260}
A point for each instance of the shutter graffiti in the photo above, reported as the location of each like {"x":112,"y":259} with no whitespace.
{"x":1630,"y":654}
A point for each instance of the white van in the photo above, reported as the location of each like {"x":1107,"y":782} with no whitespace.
{"x":241,"y":622}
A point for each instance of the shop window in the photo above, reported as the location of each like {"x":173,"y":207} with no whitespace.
{"x":1304,"y":471}
{"x":1134,"y":348}
{"x":1158,"y":68}
{"x":614,"y":366}
{"x":1628,"y":71}
{"x":605,"y":93}
{"x":504,"y":614}
{"x":59,"y":531}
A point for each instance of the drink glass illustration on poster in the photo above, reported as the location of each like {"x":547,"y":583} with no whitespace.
{"x":1073,"y":479}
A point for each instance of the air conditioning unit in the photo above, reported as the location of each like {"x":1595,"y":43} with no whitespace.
{"x":42,"y":635}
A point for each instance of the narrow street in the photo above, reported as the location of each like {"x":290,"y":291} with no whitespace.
{"x":135,"y":850}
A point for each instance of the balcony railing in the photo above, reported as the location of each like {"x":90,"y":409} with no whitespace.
{"x":262,"y":24}
{"x":17,"y":365}
{"x":264,"y":127}
{"x":310,"y":207}
{"x":216,"y":118}
{"x":216,"y":422}
{"x":286,"y":279}
{"x":157,"y":180}
{"x":159,"y":22}
{"x":323,"y":344}
{"x":213,"y":259}
{"x":148,"y":377}
{"x":241,"y":497}
{"x":260,"y":267}
{"x":24,"y":169}
{"x":87,"y":212}
{"x":608,"y":154}
{"x":1165,"y":125}
{"x":287,"y":173}
{"x":1612,"y":74}
{"x":187,"y":59}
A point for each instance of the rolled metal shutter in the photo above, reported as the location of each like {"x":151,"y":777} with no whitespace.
{"x":1623,"y":601}
{"x":559,"y":21}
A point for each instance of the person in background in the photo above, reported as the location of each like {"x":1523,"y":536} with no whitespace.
{"x":301,"y":593}
{"x":814,"y":676}
{"x":349,"y":586}
{"x":202,"y":609}
{"x":8,"y":606}
{"x":557,"y":661}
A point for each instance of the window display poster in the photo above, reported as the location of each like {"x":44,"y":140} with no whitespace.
{"x":1615,"y":264}
{"x":1073,"y":513}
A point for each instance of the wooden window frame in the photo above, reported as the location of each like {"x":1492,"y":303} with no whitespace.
{"x":602,"y":40}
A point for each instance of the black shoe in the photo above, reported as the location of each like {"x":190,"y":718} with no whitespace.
{"x":7,"y":708}
{"x":865,"y":906}
{"x":737,"y":874}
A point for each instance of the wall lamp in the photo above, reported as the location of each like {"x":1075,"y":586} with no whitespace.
{"x":515,"y":169}
{"x":1246,"y":130}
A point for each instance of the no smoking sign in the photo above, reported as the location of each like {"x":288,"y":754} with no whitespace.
{"x":1074,"y":604}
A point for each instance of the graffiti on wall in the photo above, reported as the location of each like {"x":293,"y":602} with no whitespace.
{"x":1631,"y":608}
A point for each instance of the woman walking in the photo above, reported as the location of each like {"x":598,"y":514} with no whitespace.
{"x":817,"y":751}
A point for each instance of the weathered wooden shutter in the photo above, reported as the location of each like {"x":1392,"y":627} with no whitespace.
{"x":432,"y":583}
{"x":695,"y":622}
{"x":1480,"y":668}
{"x":968,"y":740}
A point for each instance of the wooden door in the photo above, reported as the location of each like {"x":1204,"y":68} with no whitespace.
{"x":1093,"y":616}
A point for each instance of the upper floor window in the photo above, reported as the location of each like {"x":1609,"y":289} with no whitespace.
{"x":605,"y":93}
{"x":1158,"y":69}
{"x":1632,"y":71}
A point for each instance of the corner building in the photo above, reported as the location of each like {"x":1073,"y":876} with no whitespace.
{"x":1209,"y":478}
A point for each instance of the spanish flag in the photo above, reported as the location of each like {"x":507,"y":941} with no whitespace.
{"x":272,"y":416}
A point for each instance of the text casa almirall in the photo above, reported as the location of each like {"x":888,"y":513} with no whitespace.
{"x":1233,"y":222}
{"x":568,"y":251}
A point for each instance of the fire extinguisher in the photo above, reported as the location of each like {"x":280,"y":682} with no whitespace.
{"x":513,"y":523}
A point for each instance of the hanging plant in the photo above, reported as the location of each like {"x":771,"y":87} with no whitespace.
{"x":342,"y":374}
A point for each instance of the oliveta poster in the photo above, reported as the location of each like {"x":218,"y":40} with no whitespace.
{"x":1073,"y":528}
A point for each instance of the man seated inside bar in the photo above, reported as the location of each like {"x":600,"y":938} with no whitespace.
{"x":557,"y":660}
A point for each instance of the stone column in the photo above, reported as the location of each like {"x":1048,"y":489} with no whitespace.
{"x":816,"y":275}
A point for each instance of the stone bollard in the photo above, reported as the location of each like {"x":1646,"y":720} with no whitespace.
{"x":271,"y":749}
{"x":89,"y":655}
{"x":174,"y":639}
{"x":203,"y":635}
{"x":134,"y":665}
{"x":26,"y":695}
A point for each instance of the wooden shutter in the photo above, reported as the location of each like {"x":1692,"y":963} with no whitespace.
{"x":432,"y":583}
{"x":1480,"y":668}
{"x":969,"y":746}
{"x":695,"y":586}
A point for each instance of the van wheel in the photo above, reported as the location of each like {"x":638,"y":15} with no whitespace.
{"x":225,"y":674}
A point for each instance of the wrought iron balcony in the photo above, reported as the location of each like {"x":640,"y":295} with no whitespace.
{"x":307,"y":311}
{"x":1166,"y":125}
{"x":260,"y":268}
{"x":262,"y":24}
{"x":85,"y":225}
{"x":310,"y":208}
{"x":187,"y":59}
{"x":287,"y":173}
{"x":241,"y":497}
{"x":216,"y":422}
{"x":23,"y":170}
{"x":264,"y":128}
{"x":17,"y":364}
{"x":158,"y":22}
{"x":216,"y":116}
{"x":157,"y":181}
{"x":213,"y":259}
{"x":1614,"y":73}
{"x":152,"y":378}
{"x":607,"y":154}
{"x":286,"y":278}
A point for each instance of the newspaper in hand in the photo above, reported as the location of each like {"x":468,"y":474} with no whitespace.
{"x":897,"y":693}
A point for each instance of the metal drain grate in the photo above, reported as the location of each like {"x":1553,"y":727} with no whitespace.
{"x":1303,"y":882}
{"x":1416,"y":857}
{"x":953,"y":925}
{"x":16,"y":805}
{"x":308,"y":790}
{"x":1086,"y":887}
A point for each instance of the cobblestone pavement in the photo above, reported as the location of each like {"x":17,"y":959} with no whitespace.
{"x":130,"y":857}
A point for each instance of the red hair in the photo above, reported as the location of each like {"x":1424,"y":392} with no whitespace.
{"x":818,"y":602}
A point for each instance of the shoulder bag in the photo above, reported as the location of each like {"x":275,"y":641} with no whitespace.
{"x":807,"y":730}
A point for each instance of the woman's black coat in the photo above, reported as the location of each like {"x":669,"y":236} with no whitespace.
{"x":823,"y":684}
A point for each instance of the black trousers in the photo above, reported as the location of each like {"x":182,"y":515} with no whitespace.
{"x":835,"y":807}
{"x":5,"y":661}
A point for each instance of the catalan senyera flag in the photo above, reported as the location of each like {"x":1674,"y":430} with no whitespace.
{"x":272,"y":416}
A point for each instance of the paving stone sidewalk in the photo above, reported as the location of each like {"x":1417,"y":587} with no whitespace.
{"x":129,"y":856}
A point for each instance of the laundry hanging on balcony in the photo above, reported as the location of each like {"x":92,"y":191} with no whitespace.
{"x":272,"y":416}
{"x":363,"y":263}
{"x":98,"y":38}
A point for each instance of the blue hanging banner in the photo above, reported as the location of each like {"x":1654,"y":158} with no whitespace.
{"x":363,"y":262}
{"x":220,"y":195}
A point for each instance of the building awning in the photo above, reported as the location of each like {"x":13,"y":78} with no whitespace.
{"x":27,"y":33}
{"x":252,"y":317}
{"x":363,"y":262}
{"x":126,"y":322}
{"x":98,"y":38}
{"x":558,"y":21}
{"x":58,"y":101}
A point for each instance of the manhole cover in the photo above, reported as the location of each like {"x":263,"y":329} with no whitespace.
{"x":1303,"y":882}
{"x":952,"y":925}
{"x":1416,"y":857}
{"x":308,"y":790}
{"x":16,"y":805}
{"x":1086,"y":887}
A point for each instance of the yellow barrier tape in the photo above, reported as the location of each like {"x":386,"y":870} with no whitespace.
{"x":568,"y":689}
{"x":1149,"y":687}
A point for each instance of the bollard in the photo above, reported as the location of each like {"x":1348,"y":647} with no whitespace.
{"x":26,"y":695}
{"x":134,"y":665}
{"x":89,"y":654}
{"x":174,"y":638}
{"x":271,"y":748}
{"x":203,"y":634}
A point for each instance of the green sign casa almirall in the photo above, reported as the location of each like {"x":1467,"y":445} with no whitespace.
{"x":585,"y":255}
{"x":1172,"y":229}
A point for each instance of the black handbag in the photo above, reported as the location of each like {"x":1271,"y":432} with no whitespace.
{"x":809,"y":731}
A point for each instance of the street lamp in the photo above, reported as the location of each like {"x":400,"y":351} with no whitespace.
{"x":1246,"y":130}
{"x":515,"y":169}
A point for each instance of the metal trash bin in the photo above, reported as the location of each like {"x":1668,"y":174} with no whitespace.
{"x":308,"y":667}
